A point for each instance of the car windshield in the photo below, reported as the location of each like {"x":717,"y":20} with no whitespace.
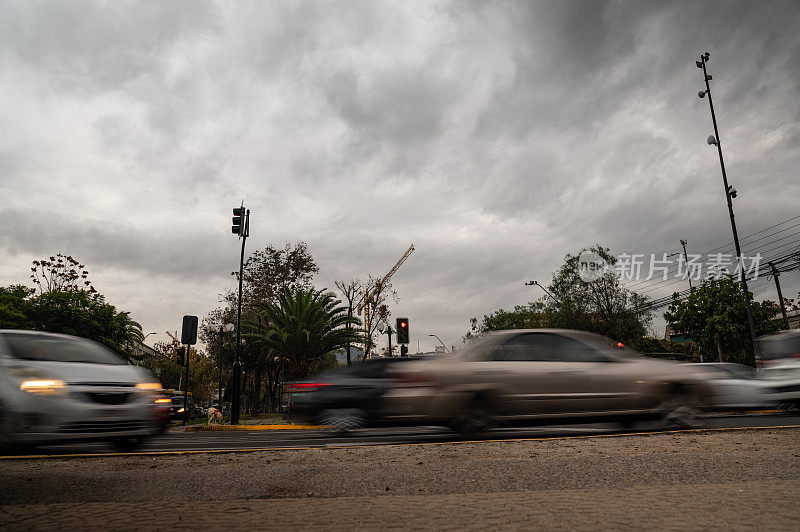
{"x":48,"y":348}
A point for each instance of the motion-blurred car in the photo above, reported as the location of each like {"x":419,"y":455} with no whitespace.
{"x":163,"y":406}
{"x":738,"y":387}
{"x":176,"y":411}
{"x":545,"y":376}
{"x":346,"y":398}
{"x":57,"y":388}
{"x":779,"y":355}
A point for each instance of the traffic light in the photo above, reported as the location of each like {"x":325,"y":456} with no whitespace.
{"x":181,"y":356}
{"x":402,"y":330}
{"x":238,"y":221}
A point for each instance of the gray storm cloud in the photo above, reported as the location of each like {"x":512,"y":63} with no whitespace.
{"x":495,"y":136}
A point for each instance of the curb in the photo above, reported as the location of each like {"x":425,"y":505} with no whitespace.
{"x":221,"y":428}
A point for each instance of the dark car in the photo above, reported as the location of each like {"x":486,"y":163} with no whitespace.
{"x":346,"y":398}
{"x":177,"y":408}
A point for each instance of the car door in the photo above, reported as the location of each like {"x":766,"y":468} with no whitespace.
{"x":550,"y":372}
{"x":565,"y":376}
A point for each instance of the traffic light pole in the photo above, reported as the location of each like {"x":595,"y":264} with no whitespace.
{"x":237,"y":365}
{"x":186,"y":389}
{"x":219,"y":367}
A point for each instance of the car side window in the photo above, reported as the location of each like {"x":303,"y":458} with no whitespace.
{"x":546,"y":347}
{"x":525,"y":347}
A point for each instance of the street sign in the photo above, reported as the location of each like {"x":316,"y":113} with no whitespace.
{"x":189,"y":331}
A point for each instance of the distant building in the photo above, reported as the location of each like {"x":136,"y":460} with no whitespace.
{"x":142,"y":351}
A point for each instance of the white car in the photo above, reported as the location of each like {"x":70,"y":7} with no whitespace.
{"x":738,"y":387}
{"x":779,"y":355}
{"x":59,"y":388}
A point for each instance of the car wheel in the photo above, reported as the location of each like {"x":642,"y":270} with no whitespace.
{"x":475,"y":420}
{"x":343,"y":420}
{"x":680,"y":409}
{"x":126,"y":445}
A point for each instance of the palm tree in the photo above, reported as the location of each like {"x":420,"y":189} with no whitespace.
{"x":302,"y":326}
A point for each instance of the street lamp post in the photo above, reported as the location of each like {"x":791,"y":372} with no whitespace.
{"x":440,"y":341}
{"x":531,"y":283}
{"x":730,"y":193}
{"x":385,"y":327}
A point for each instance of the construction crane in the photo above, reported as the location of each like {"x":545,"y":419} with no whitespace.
{"x":174,"y":337}
{"x":365,"y":302}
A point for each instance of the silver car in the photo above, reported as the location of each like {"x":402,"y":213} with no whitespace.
{"x":545,"y":376}
{"x":58,"y":388}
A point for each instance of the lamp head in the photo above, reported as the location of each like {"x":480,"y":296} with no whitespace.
{"x":701,"y":94}
{"x":711,"y":140}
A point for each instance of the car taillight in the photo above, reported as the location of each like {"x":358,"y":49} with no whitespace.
{"x":299,"y":387}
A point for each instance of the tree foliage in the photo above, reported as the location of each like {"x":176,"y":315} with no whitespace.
{"x":714,"y":315}
{"x":302,"y":327}
{"x":64,"y":301}
{"x":266,"y":274}
{"x":60,"y":273}
{"x":602,"y":306}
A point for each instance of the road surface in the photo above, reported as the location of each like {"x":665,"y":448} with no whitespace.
{"x":177,"y":440}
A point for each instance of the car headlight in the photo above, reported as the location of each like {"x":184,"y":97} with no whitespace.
{"x":148,"y":387}
{"x":43,"y":386}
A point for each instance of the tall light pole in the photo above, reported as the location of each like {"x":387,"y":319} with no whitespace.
{"x":440,"y":341}
{"x":730,"y":193}
{"x":532,"y":283}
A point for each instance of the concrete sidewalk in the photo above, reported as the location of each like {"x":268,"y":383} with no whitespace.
{"x":768,"y":505}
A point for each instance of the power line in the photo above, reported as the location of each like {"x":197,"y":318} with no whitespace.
{"x":724,"y":246}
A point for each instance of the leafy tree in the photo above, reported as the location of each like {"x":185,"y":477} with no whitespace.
{"x":64,"y":301}
{"x":602,"y":306}
{"x":303,"y":326}
{"x":86,"y":314}
{"x":266,"y":274}
{"x":202,"y":371}
{"x":530,"y":316}
{"x":352,"y":292}
{"x":376,"y":310}
{"x":715,"y":316}
{"x":61,"y":273}
{"x":14,"y":302}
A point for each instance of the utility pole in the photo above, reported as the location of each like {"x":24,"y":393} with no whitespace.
{"x":686,"y":259}
{"x":729,"y":193}
{"x":776,"y":274}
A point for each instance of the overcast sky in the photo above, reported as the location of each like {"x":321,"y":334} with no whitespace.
{"x":495,"y":136}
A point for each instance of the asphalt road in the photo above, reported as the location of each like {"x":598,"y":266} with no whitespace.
{"x":177,"y":440}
